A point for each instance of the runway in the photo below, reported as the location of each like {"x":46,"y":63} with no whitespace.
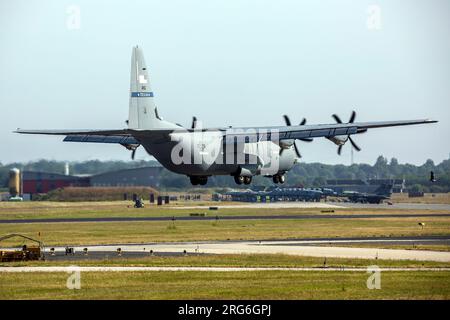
{"x":300,"y":247}
{"x":228,"y":217}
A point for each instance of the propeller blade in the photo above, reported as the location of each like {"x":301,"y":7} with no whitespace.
{"x":352,"y":117}
{"x":307,"y":139}
{"x":336,"y":118}
{"x":287,"y":120}
{"x":354,"y":144}
{"x":194,"y":122}
{"x":133,"y":154}
{"x":339,"y":150}
{"x":297,"y":151}
{"x":303,"y":122}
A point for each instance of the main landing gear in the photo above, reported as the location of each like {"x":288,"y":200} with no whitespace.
{"x":198,"y":180}
{"x":279,"y":178}
{"x":243,"y":179}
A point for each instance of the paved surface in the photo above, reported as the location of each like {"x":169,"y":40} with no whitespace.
{"x":215,"y":217}
{"x":402,"y":206}
{"x":269,"y":205}
{"x":201,"y":269}
{"x":312,"y":248}
{"x":324,"y":205}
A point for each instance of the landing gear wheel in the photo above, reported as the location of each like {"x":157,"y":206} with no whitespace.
{"x":194,"y":180}
{"x":282,"y":179}
{"x":238,"y":179}
{"x":276,"y":179}
{"x":247,"y":180}
{"x":203,"y":181}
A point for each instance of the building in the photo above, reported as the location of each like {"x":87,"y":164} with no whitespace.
{"x":42,"y":182}
{"x":139,"y":177}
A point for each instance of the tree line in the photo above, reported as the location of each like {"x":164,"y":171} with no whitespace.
{"x":303,"y":174}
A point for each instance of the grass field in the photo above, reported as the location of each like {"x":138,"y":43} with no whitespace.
{"x":443,"y":198}
{"x":70,"y":210}
{"x":217,"y":285}
{"x":227,"y":285}
{"x":234,"y":260}
{"x":85,"y":233}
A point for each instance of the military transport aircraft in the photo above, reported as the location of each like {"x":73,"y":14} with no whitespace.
{"x":203,"y":152}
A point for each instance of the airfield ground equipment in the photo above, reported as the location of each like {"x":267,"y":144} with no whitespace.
{"x":25,"y":253}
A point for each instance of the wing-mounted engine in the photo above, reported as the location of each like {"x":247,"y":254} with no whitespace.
{"x":342,"y":139}
{"x":286,"y":144}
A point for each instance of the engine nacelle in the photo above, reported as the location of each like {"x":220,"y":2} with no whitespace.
{"x":286,"y":144}
{"x":338,"y":140}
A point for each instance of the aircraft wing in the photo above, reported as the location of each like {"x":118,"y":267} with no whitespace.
{"x":120,"y":132}
{"x":316,"y":131}
{"x":129,"y":136}
{"x":123,"y":137}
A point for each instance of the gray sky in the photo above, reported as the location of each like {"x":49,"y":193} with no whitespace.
{"x":229,"y":62}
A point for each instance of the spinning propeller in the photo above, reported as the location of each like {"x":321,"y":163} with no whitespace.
{"x":302,"y":123}
{"x":351,"y":120}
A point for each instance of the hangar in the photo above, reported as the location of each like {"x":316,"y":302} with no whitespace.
{"x":43,"y":182}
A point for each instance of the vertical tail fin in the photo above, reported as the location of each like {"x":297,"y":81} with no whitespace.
{"x":142,"y":110}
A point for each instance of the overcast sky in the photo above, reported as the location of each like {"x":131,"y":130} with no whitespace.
{"x":229,"y":62}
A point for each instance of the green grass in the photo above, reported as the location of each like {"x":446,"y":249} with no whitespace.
{"x":227,"y":285}
{"x":161,"y":231}
{"x":233,"y":260}
{"x":48,"y":210}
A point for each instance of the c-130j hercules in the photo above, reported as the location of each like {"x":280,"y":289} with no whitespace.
{"x":203,"y":152}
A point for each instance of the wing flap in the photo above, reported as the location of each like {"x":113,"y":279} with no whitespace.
{"x":101,"y":139}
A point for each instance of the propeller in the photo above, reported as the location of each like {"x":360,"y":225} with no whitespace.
{"x":351,"y":120}
{"x":133,"y":148}
{"x":302,"y":123}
